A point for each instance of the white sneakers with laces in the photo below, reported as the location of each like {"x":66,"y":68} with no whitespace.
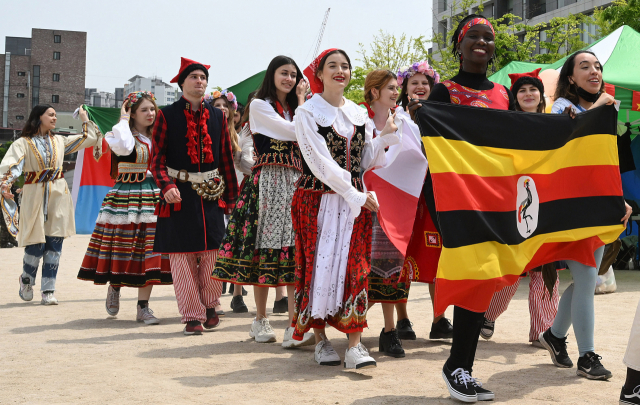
{"x":146,"y":315}
{"x":325,"y":355}
{"x":358,"y":357}
{"x":262,"y":331}
{"x":26,"y":291}
{"x":288,"y":342}
{"x":48,"y":299}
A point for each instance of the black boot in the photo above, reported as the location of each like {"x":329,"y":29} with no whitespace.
{"x":238,"y":305}
{"x":390,"y":344}
{"x":281,"y":306}
{"x":405,"y":331}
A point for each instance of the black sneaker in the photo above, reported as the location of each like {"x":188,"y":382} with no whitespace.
{"x":389,"y":344}
{"x":237,"y":305}
{"x":589,"y":366}
{"x":557,"y":347}
{"x":281,"y":306}
{"x":405,"y":331}
{"x":487,"y":329}
{"x":629,"y":397}
{"x":460,"y":385}
{"x":482,"y":393}
{"x":441,"y":329}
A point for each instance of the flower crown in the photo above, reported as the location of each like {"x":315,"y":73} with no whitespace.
{"x":231,"y":98}
{"x":423,"y":67}
{"x":137,"y":96}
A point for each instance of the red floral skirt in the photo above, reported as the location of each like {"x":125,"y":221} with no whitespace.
{"x":352,"y":316}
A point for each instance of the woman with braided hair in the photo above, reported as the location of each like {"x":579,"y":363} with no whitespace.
{"x":121,"y":248}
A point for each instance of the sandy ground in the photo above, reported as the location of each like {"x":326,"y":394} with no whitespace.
{"x":75,"y":353}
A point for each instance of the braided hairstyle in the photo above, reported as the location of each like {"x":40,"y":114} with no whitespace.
{"x":456,"y":33}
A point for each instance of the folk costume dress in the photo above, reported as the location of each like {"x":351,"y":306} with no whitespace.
{"x":333,"y":232}
{"x":46,"y":212}
{"x":259,"y":247}
{"x":121,"y":248}
{"x":196,"y":142}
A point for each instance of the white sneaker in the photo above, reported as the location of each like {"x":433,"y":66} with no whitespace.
{"x":261,"y":331}
{"x":112,"y":304}
{"x":146,"y":315}
{"x":325,"y":355}
{"x":48,"y":299}
{"x":26,"y":291}
{"x":288,"y":342}
{"x":358,"y":357}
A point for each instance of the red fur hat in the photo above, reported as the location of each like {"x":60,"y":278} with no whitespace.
{"x":187,"y":66}
{"x":520,"y":79}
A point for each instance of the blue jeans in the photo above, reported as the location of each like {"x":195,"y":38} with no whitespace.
{"x":50,"y":250}
{"x":576,"y":304}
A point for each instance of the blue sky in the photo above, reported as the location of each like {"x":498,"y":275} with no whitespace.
{"x":238,"y":38}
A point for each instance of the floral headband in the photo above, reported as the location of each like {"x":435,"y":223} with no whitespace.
{"x":231,"y":98}
{"x":136,"y":96}
{"x":471,"y":23}
{"x":423,"y":67}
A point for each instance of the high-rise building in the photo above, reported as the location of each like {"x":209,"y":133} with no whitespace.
{"x":48,"y":68}
{"x":531,"y":11}
{"x":164,"y":92}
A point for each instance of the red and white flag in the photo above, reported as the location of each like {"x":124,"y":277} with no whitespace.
{"x":398,"y":184}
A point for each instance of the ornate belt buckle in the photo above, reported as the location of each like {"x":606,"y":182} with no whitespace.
{"x":186,"y":176}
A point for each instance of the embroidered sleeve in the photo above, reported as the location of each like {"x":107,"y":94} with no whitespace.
{"x":120,"y":139}
{"x":90,"y":136}
{"x":13,"y":163}
{"x":225,"y":167}
{"x":318,"y":158}
{"x":246,"y":144}
{"x":263,"y":119}
{"x":159,"y":158}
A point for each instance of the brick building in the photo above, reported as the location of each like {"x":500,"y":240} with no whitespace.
{"x":48,"y":68}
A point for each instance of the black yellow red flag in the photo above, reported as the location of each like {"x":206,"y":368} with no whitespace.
{"x":514,"y":191}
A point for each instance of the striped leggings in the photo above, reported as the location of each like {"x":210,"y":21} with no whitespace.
{"x":195,"y":290}
{"x":542,"y":310}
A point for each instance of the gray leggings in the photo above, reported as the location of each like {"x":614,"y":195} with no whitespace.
{"x":576,"y":304}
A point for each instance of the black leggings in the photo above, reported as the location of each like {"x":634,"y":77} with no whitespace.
{"x":466,"y":331}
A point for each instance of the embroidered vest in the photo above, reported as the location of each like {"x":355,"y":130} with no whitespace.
{"x":496,"y":98}
{"x":274,"y":152}
{"x":348,"y":155}
{"x":133,"y":168}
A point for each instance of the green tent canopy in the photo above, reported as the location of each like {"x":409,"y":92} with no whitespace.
{"x":242,"y":89}
{"x":620,"y":57}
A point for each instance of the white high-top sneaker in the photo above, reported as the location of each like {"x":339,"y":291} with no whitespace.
{"x":48,"y":299}
{"x":146,"y":315}
{"x":262,"y":331}
{"x":26,"y":291}
{"x":358,"y":357}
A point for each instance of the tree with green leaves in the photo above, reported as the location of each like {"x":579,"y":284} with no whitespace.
{"x":621,"y":12}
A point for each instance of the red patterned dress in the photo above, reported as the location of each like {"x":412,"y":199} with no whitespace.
{"x":333,"y":232}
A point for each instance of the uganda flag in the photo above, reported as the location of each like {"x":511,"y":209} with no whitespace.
{"x":514,"y":191}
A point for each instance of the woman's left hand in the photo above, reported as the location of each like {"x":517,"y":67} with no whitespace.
{"x":626,"y":217}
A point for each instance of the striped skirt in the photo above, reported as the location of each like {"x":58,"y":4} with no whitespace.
{"x":121,"y":248}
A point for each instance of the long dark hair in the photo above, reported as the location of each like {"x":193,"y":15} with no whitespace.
{"x":268,"y":87}
{"x":245,"y":114}
{"x":564,"y":88}
{"x":32,"y":126}
{"x":456,"y":33}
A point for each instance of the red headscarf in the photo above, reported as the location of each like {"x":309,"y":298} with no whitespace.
{"x":471,"y":23}
{"x":184,"y":64}
{"x":314,"y":83}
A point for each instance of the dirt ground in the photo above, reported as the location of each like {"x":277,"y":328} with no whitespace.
{"x":74,"y":353}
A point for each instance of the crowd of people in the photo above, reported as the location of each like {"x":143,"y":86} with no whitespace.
{"x":272,"y":195}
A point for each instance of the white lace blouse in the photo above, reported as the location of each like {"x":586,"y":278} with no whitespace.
{"x":318,"y":112}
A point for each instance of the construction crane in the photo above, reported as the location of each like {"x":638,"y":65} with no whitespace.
{"x":322,"y":27}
